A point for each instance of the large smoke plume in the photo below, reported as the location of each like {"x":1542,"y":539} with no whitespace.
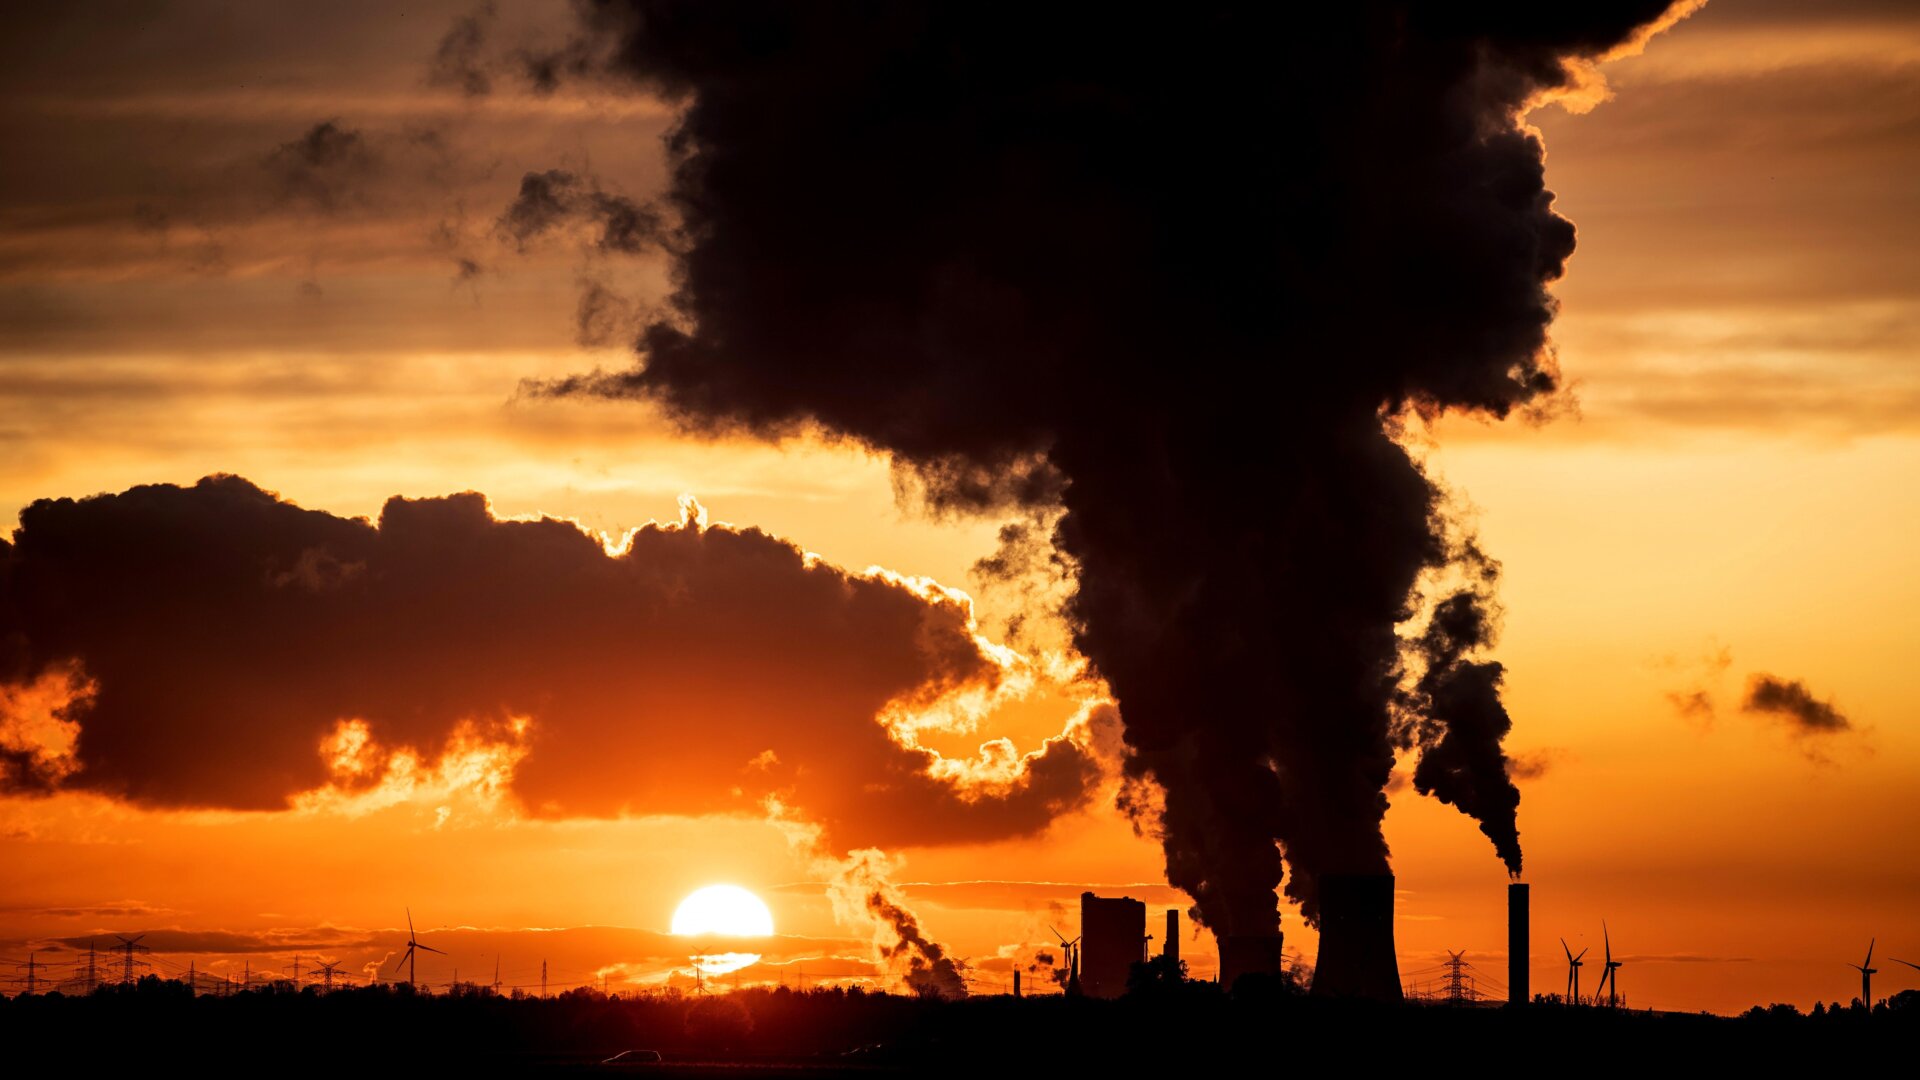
{"x":1174,"y":276}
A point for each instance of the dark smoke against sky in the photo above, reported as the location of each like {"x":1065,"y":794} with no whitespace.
{"x":1144,"y":267}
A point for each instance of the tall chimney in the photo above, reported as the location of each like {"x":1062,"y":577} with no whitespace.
{"x":1170,"y":948}
{"x":1519,"y":945}
{"x":1016,"y":983}
{"x":1356,"y":938}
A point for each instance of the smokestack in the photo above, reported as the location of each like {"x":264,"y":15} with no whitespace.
{"x":1356,"y":938}
{"x":1170,"y":948}
{"x":1016,"y":984}
{"x":1519,"y":944}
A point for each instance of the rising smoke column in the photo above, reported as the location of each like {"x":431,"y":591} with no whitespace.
{"x":863,"y":894}
{"x":1172,"y":276}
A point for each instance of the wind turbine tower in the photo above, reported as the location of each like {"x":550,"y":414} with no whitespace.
{"x":1072,"y":949}
{"x":1867,"y":972}
{"x":1608,"y":978}
{"x":413,"y":946}
{"x":1574,"y":963}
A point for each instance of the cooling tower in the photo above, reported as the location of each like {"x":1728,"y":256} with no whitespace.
{"x":1248,"y":954}
{"x":1519,"y":945}
{"x":1356,"y":938}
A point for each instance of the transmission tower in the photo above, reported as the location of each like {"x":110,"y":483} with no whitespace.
{"x":326,"y":972}
{"x":1458,"y":989}
{"x":31,"y":980}
{"x":93,"y":975}
{"x":129,"y":946}
{"x":296,"y":972}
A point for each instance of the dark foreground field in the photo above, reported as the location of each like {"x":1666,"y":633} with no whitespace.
{"x":1183,"y":1031}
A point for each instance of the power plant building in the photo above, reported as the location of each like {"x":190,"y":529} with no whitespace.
{"x":1113,"y":938}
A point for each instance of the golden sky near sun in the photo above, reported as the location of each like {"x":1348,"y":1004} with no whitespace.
{"x":1736,"y":494}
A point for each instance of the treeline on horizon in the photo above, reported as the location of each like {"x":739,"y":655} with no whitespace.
{"x":1156,"y":1022}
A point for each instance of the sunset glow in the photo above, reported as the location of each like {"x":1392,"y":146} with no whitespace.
{"x":416,"y":488}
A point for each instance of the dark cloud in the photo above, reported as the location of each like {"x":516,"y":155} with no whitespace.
{"x":226,"y":635}
{"x":1697,"y":702}
{"x":1534,"y":766}
{"x":1694,"y":706}
{"x":1164,"y":276}
{"x":124,"y":909}
{"x":459,"y":59}
{"x":1790,"y":702}
{"x":227,"y":941}
{"x":994,"y":895}
{"x":602,"y":316}
{"x":327,"y":167}
{"x":553,"y":198}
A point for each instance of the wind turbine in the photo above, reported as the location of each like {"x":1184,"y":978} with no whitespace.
{"x":1573,"y":973}
{"x":1607,"y":977}
{"x":1867,"y":972}
{"x":413,"y":945}
{"x":1909,"y":963}
{"x":1072,"y":949}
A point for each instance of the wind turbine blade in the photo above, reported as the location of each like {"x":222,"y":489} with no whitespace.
{"x":1909,"y":963}
{"x":1583,"y":953}
{"x":402,"y":958}
{"x":429,"y":948}
{"x":1870,"y":943}
{"x":409,"y":922}
{"x":1058,"y":934}
{"x":1565,"y":949}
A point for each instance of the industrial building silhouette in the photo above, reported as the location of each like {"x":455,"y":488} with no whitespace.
{"x":1113,"y":938}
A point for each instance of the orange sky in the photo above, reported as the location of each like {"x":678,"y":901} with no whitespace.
{"x":1737,"y":495}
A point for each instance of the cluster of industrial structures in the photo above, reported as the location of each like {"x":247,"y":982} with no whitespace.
{"x":1356,"y":958}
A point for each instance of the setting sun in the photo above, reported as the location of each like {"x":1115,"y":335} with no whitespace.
{"x":727,"y":910}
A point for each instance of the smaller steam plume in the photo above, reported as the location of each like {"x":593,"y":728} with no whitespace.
{"x":863,"y":892}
